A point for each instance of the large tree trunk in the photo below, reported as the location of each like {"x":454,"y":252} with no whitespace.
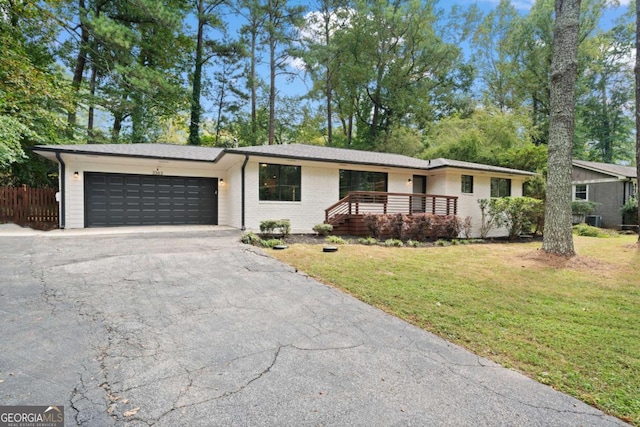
{"x":637,"y":73}
{"x":78,"y":71}
{"x":254,"y":87}
{"x":220,"y":106}
{"x":92,"y":94}
{"x":272,"y":89}
{"x":117,"y":127}
{"x":558,"y":238}
{"x":328,"y":86}
{"x":196,"y":108}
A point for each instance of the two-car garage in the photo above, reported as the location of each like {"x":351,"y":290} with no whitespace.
{"x":113,"y":199}
{"x":114,"y":185}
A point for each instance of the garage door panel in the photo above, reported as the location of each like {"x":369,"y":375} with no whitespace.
{"x":121,"y":199}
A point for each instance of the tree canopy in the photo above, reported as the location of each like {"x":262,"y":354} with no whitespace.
{"x":415,"y":77}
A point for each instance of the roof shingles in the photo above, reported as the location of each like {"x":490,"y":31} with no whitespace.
{"x":289,"y":151}
{"x":155,"y":151}
{"x":607,"y":168}
{"x":344,"y":155}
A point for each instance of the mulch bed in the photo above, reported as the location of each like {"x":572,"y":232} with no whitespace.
{"x":312,"y":239}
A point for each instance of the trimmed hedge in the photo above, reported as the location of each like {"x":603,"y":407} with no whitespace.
{"x":420,"y":227}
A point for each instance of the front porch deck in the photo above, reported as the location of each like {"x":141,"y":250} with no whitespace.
{"x":347,"y":215}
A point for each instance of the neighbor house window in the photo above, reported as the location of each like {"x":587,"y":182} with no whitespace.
{"x":500,"y":187}
{"x":280,"y":182}
{"x":361,"y":181}
{"x":467,"y":184}
{"x":581,"y":192}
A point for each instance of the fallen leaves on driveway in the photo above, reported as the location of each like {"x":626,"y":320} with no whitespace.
{"x":132,"y":412}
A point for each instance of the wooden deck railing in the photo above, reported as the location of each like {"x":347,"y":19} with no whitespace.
{"x":363,"y":202}
{"x":36,"y":207}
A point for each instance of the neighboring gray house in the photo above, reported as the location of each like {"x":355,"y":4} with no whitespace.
{"x":610,"y":186}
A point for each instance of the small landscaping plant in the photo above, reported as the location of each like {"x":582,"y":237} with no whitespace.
{"x":583,"y":207}
{"x":589,"y":231}
{"x":269,"y":226}
{"x":467,"y":226}
{"x":393,"y":243}
{"x":270,"y":243}
{"x":630,"y":212}
{"x":250,"y":238}
{"x":368,"y":241}
{"x":323,"y":229}
{"x":336,"y":240}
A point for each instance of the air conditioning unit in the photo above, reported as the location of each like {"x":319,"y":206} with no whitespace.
{"x":594,"y":220}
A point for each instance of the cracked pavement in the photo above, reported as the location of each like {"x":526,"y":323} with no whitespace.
{"x":194,"y":328}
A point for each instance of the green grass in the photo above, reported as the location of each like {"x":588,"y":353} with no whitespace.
{"x":574,"y":325}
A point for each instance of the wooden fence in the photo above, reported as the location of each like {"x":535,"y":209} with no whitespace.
{"x":35,"y":207}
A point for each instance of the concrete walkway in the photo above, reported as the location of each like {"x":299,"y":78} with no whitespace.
{"x":191,"y":328}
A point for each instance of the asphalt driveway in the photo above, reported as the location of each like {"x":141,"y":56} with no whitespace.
{"x":193,"y":328}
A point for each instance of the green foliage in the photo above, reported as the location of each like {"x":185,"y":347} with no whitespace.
{"x":336,"y":240}
{"x":269,"y":226}
{"x":323,"y":229}
{"x":270,"y":243}
{"x":33,"y":94}
{"x":496,"y":64}
{"x":486,"y":136}
{"x":536,"y":187}
{"x":583,"y":207}
{"x":604,"y":127}
{"x":382,"y":79}
{"x":368,"y":241}
{"x":519,"y":213}
{"x":11,"y":133}
{"x":250,"y":238}
{"x":393,"y":243}
{"x":516,"y":214}
{"x":589,"y":231}
{"x":413,"y":243}
{"x":630,"y":211}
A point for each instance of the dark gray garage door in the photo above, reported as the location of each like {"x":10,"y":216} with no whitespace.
{"x":124,"y":199}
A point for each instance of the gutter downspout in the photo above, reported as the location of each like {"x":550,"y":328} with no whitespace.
{"x":62,"y":179}
{"x":244,"y":165}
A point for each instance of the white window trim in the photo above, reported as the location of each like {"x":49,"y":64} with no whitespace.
{"x":573,"y":193}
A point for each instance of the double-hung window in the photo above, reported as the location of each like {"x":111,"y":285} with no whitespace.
{"x":467,"y":184}
{"x":581,"y":192}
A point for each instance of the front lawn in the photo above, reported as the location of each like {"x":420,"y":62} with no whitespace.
{"x":574,"y":325}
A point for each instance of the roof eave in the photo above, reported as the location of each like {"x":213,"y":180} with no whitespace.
{"x":481,"y":169}
{"x":604,"y":172}
{"x":53,"y":149}
{"x":322,"y":159}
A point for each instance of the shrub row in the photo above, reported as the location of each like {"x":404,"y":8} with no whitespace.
{"x":419,"y":227}
{"x":269,"y":226}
